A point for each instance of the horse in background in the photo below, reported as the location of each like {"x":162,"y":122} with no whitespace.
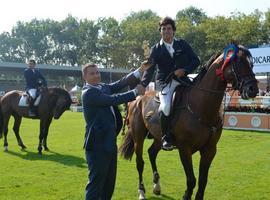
{"x":54,"y":101}
{"x":196,"y":118}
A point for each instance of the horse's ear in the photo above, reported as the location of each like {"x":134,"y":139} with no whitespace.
{"x":234,"y":42}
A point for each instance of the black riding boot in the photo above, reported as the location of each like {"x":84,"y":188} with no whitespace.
{"x":166,"y":140}
{"x":31,"y":111}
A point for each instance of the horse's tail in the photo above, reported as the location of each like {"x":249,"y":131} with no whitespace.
{"x":1,"y":120}
{"x":127,"y":147}
{"x":125,"y":119}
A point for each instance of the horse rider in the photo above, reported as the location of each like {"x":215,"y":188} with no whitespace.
{"x":169,"y":56}
{"x":34,"y":79}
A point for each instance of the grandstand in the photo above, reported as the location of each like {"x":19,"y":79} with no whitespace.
{"x":11,"y":75}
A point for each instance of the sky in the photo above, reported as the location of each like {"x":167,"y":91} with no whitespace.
{"x":12,"y":11}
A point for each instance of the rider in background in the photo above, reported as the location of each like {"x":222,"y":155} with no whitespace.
{"x":34,"y":79}
{"x":169,"y":55}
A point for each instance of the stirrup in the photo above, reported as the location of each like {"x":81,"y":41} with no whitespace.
{"x":31,"y":114}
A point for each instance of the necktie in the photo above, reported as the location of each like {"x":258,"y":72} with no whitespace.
{"x":171,"y":50}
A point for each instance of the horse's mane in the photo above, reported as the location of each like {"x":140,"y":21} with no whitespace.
{"x":246,"y":52}
{"x":60,"y":91}
{"x":205,"y":67}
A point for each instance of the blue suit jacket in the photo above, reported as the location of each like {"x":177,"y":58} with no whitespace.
{"x":101,"y":125}
{"x":33,"y":78}
{"x":183,"y":58}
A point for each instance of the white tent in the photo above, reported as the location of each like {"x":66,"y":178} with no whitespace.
{"x":76,"y":88}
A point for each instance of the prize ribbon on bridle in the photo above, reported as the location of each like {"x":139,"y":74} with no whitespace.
{"x":230,"y":53}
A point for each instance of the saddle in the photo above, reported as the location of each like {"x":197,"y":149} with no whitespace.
{"x":25,"y":99}
{"x":151,"y":108}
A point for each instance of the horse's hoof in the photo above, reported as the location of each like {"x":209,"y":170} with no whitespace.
{"x":157,"y":189}
{"x":40,"y":150}
{"x":156,"y":192}
{"x":23,"y":147}
{"x":141,"y":195}
{"x":5,"y":148}
{"x":46,"y":149}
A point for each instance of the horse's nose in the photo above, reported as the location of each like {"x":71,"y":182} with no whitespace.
{"x":252,"y":90}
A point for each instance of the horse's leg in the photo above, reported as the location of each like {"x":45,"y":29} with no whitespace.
{"x":207,"y":155}
{"x":152,"y":152}
{"x":41,"y":135}
{"x":186,"y":159}
{"x":16,"y":128}
{"x":138,"y":148}
{"x":46,"y":131}
{"x":5,"y":130}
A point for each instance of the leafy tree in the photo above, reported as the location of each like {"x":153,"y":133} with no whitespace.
{"x":66,"y":41}
{"x":266,"y":28}
{"x":137,"y":27}
{"x":217,"y":35}
{"x":192,"y":14}
{"x":10,"y":49}
{"x":194,"y":35}
{"x":246,"y":29}
{"x":109,"y":46}
{"x":33,"y":37}
{"x":88,"y":39}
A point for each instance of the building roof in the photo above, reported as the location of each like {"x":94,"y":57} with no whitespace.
{"x":10,"y":66}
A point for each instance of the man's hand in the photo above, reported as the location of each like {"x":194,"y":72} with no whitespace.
{"x":144,"y":66}
{"x":179,"y":73}
{"x":140,"y":89}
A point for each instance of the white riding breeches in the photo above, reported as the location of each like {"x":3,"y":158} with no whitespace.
{"x":33,"y":93}
{"x":165,"y":97}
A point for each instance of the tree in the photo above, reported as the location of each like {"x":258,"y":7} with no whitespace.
{"x":66,"y":41}
{"x":10,"y":49}
{"x":194,"y":15}
{"x":33,"y":39}
{"x":109,"y":43}
{"x":88,"y":39}
{"x":266,"y":28}
{"x":246,"y":29}
{"x":136,"y":28}
{"x":217,"y":35}
{"x":194,"y":35}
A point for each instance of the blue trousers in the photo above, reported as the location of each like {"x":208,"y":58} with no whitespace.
{"x":102,"y":166}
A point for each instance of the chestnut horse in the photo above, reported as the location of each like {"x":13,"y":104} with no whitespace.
{"x":196,"y":119}
{"x":54,"y":101}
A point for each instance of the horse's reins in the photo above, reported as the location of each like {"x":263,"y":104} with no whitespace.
{"x":172,"y":75}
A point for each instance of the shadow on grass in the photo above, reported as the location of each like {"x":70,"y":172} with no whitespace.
{"x":67,"y":160}
{"x":162,"y":196}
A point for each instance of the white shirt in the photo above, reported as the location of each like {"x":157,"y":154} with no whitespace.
{"x":168,"y":46}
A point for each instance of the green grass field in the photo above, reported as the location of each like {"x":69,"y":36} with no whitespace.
{"x":240,"y":170}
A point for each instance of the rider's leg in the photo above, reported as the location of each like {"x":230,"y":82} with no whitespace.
{"x":32,"y":96}
{"x":166,"y":140}
{"x":164,"y":113}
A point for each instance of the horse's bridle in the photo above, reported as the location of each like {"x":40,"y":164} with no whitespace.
{"x":231,"y":56}
{"x":240,"y":82}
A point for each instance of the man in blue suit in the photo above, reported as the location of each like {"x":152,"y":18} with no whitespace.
{"x":34,"y":79}
{"x":103,"y":123}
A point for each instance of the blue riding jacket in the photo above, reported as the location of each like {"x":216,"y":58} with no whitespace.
{"x":183,"y":58}
{"x":33,"y":78}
